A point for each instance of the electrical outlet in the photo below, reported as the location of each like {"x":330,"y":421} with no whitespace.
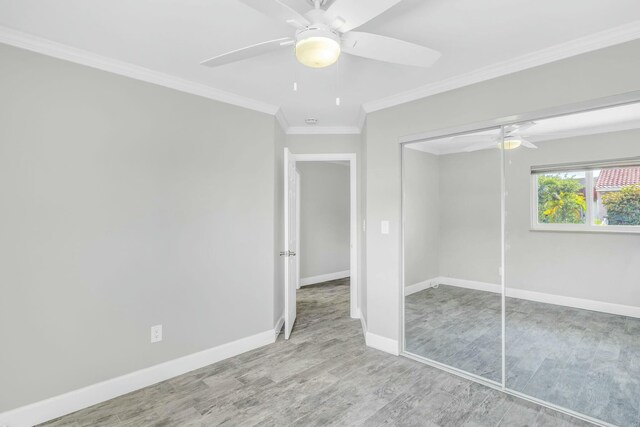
{"x":156,"y":333}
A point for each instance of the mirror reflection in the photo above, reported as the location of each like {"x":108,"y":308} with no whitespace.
{"x":452,"y":251}
{"x":573,"y":263}
{"x":571,"y":210}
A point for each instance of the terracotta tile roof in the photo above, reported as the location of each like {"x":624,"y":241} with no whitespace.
{"x":615,"y":178}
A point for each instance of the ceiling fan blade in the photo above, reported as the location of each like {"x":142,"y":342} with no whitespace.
{"x":248,"y":52}
{"x":345,"y":15}
{"x":481,"y":146}
{"x":278,"y":11}
{"x":388,"y":49}
{"x":518,"y":127}
{"x":527,"y":144}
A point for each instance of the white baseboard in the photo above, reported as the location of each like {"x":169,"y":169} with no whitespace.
{"x":585,"y":304}
{"x":420,"y":286}
{"x":363,"y":322}
{"x":382,"y":343}
{"x":470,"y":284}
{"x":324,"y":277}
{"x":279,"y":325}
{"x":67,"y":403}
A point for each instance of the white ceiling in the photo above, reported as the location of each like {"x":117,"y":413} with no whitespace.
{"x":613,"y":119}
{"x":174,"y":36}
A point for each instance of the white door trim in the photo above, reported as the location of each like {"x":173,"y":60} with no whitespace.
{"x":353,"y":212}
{"x":297,"y":249}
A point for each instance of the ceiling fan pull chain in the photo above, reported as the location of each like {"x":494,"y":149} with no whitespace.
{"x":295,"y":73}
{"x":338,"y":83}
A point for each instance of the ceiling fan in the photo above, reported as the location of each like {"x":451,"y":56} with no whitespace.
{"x":322,"y":35}
{"x":513,"y":138}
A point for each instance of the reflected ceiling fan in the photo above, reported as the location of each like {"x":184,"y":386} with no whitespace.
{"x":322,"y":35}
{"x":513,"y":138}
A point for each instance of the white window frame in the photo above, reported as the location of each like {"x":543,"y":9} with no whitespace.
{"x":588,"y":226}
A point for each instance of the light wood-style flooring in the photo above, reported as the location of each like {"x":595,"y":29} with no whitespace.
{"x":324,"y":375}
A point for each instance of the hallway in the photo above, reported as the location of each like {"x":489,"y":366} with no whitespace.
{"x":324,"y":375}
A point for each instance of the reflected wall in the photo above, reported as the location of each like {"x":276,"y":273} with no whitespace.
{"x":452,"y":252}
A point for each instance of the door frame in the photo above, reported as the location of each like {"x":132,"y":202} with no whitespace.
{"x":354,"y":302}
{"x":297,"y":250}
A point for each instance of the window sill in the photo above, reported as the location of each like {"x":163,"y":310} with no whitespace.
{"x":588,"y":230}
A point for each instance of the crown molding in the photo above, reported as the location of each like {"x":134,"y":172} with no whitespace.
{"x":558,"y":52}
{"x":603,"y":39}
{"x":282,"y":120}
{"x":83,"y":57}
{"x":323,"y":130}
{"x":362,"y":118}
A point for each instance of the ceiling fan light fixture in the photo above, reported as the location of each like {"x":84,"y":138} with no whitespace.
{"x":511,"y":143}
{"x":317,"y":47}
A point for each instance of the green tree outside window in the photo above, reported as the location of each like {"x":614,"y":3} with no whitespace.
{"x":561,"y":200}
{"x":623,"y":207}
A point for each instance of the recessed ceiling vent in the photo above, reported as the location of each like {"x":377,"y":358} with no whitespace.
{"x":311,"y":121}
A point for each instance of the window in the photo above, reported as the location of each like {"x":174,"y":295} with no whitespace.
{"x":594,"y":197}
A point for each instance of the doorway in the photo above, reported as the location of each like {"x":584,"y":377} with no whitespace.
{"x":292,"y":230}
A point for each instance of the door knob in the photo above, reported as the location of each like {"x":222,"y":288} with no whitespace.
{"x":288,"y":253}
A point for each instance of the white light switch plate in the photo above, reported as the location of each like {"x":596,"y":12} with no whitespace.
{"x":156,"y":333}
{"x":384,"y":227}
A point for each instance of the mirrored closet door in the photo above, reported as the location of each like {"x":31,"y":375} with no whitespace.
{"x":573,"y":262}
{"x":452,"y":252}
{"x":521,"y":251}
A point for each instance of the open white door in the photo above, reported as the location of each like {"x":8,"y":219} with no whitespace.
{"x":290,"y":242}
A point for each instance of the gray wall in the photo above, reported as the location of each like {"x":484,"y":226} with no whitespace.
{"x":595,"y":266}
{"x":470,"y":216}
{"x":421,"y":182}
{"x":323,"y":144}
{"x":452,"y":216}
{"x":124,"y":205}
{"x":324,"y":218}
{"x":584,"y":77}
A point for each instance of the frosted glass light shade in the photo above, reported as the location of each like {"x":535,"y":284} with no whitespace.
{"x":317,"y":52}
{"x":511,"y":143}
